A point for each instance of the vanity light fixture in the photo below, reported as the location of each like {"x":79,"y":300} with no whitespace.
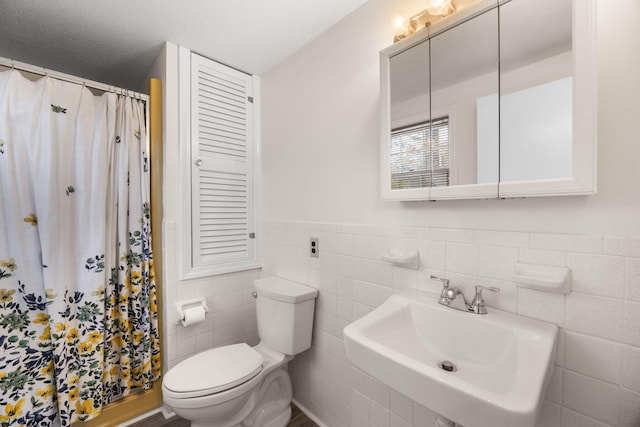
{"x":436,"y":10}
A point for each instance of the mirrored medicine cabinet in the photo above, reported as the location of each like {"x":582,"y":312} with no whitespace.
{"x":495,"y":101}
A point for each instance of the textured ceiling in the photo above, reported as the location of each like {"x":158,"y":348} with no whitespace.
{"x":116,"y":41}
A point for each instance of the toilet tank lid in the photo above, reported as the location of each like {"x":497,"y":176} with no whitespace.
{"x":284,"y":290}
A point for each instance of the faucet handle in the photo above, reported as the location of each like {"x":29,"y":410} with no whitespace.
{"x":478,"y":306}
{"x":445,"y":282}
{"x":480,"y":288}
{"x":445,"y":298}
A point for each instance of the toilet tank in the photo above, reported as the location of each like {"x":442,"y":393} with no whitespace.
{"x":285,"y":314}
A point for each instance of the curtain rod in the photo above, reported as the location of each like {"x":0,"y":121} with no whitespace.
{"x":22,"y":66}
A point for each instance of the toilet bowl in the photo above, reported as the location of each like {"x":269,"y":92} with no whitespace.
{"x":238,"y":385}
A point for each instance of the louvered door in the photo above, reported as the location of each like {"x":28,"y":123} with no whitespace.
{"x":222,"y":156}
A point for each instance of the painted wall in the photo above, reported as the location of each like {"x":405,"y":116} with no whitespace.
{"x":321,"y":123}
{"x":320,"y":178}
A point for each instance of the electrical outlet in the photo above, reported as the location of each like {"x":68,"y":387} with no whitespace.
{"x":314,"y":248}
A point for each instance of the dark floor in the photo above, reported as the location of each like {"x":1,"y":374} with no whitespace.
{"x":298,"y":419}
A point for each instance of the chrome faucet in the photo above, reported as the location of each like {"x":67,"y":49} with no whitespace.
{"x":449,"y":295}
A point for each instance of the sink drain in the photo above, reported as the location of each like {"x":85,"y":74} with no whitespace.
{"x":445,"y":365}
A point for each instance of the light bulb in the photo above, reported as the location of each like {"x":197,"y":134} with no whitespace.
{"x":398,"y":22}
{"x":441,"y":7}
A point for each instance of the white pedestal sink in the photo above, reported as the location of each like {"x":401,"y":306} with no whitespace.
{"x":501,"y":362}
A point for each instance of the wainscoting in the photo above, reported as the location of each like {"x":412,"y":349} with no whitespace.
{"x":596,"y":379}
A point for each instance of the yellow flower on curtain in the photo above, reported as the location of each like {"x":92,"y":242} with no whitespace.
{"x":47,"y":370}
{"x":134,"y":277}
{"x":124,"y":298}
{"x":6,"y":295}
{"x":42,"y":319}
{"x":148,"y":266}
{"x":119,"y":342}
{"x":46,"y":334}
{"x":124,"y":325}
{"x":73,"y":335}
{"x":85,"y":347}
{"x":9,"y":264}
{"x":95,"y":337}
{"x":45,"y":393}
{"x":98,"y":292}
{"x":73,"y":394}
{"x":137,"y":373}
{"x":12,"y":411}
{"x":124,"y":374}
{"x":84,"y":407}
{"x":31,"y":219}
{"x":137,"y":336}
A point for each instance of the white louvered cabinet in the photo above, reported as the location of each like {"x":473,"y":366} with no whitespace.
{"x":220,"y":153}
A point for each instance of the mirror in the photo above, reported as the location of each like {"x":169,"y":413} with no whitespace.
{"x":464,"y":88}
{"x":470,"y":111}
{"x":410,"y":114}
{"x":536,"y":90}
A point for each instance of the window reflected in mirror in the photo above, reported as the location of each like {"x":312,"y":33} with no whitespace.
{"x":420,"y":155}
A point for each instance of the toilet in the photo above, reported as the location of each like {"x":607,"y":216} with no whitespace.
{"x":242,"y":386}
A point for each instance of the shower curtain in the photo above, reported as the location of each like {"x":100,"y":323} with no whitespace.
{"x":78,"y":315}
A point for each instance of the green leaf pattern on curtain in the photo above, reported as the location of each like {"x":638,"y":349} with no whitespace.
{"x":78,"y":314}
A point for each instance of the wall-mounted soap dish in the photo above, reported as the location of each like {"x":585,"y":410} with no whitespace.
{"x":545,"y":278}
{"x":402,"y":258}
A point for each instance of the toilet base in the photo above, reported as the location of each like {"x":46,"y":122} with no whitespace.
{"x":272,"y":402}
{"x":281,"y":420}
{"x":273,"y":406}
{"x":265,"y":404}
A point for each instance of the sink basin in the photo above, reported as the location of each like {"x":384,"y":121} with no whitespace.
{"x":500,"y":362}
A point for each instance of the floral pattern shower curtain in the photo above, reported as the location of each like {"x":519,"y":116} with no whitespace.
{"x":78,"y":315}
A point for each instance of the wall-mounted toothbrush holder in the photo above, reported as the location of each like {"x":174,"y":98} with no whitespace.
{"x":402,"y":258}
{"x":192,"y":311}
{"x":545,"y":278}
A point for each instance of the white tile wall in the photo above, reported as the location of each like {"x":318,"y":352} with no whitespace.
{"x":231,"y":317}
{"x":594,"y":398}
{"x":596,"y":381}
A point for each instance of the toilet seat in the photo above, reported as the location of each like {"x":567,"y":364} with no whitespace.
{"x":200,"y":375}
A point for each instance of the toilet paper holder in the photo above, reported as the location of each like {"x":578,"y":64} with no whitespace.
{"x":182,"y":305}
